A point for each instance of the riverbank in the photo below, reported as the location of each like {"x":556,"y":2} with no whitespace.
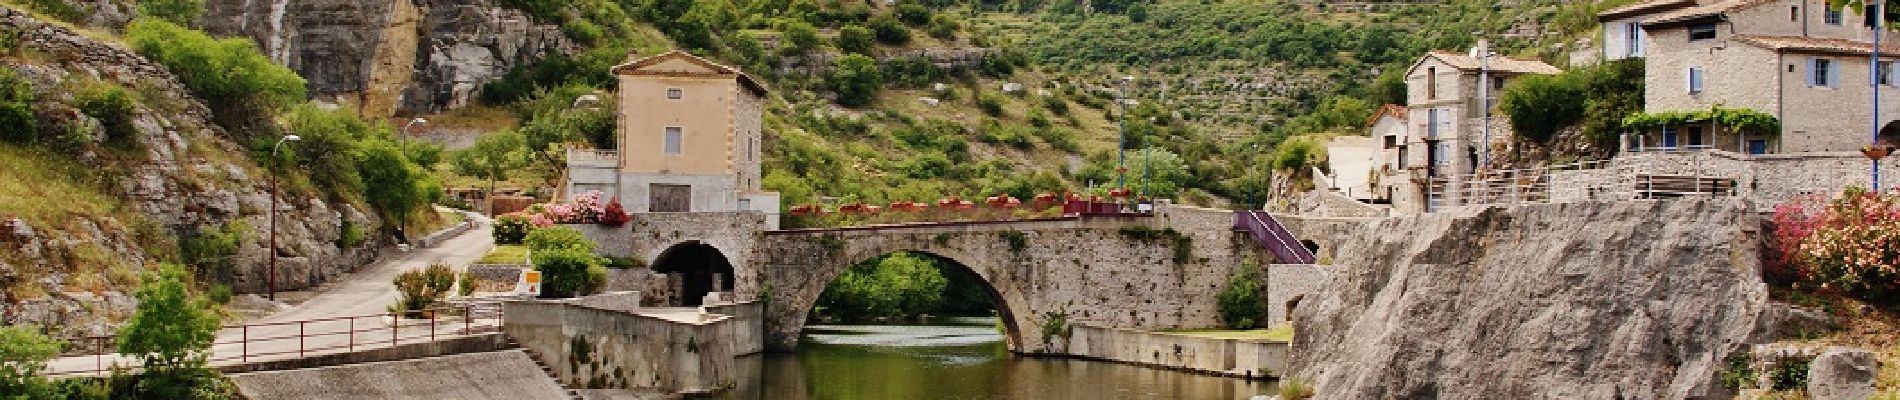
{"x":1237,"y":355}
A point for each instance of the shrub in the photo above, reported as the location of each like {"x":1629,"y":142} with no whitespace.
{"x":855,"y":39}
{"x":112,"y":105}
{"x":213,"y":252}
{"x":64,"y":10}
{"x":615,"y":214}
{"x":1788,"y":374}
{"x":1539,"y":105}
{"x":227,"y":72}
{"x":1847,"y":246}
{"x":17,"y":122}
{"x":942,"y":27}
{"x":889,"y":30}
{"x":800,"y":35}
{"x":422,"y":288}
{"x":1240,"y":302}
{"x":855,"y":79}
{"x":990,"y":103}
{"x":350,"y":235}
{"x":1295,"y":389}
{"x":511,"y":229}
{"x":466,"y":285}
{"x":219,"y":293}
{"x":558,"y":238}
{"x":569,"y":273}
{"x":181,"y":12}
{"x":913,"y":14}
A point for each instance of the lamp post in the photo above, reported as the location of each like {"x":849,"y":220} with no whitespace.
{"x":271,"y":281}
{"x":1255,"y":167}
{"x":406,"y":132}
{"x":1121,"y":145}
{"x":1484,"y":98}
{"x":1875,"y":12}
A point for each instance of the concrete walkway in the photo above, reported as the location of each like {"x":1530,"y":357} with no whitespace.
{"x":495,"y":375}
{"x":365,"y":292}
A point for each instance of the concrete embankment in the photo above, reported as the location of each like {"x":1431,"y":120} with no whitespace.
{"x":499,"y":375}
{"x":1227,"y":357}
{"x":608,"y":341}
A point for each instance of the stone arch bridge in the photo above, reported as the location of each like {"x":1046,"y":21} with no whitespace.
{"x":1138,"y":272}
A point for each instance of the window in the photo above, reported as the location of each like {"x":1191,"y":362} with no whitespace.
{"x":1701,"y":32}
{"x":1869,"y":12}
{"x":1695,"y":135}
{"x":1669,"y":137}
{"x":675,"y":93}
{"x":673,"y":139}
{"x":1883,"y":73}
{"x":1633,"y":39}
{"x":1391,"y":142}
{"x":1821,"y":72}
{"x":1757,"y":146}
{"x":1696,"y":76}
{"x":1794,"y":13}
{"x":1442,"y":155}
{"x":1431,"y":83}
{"x":1402,"y":157}
{"x":1830,"y":16}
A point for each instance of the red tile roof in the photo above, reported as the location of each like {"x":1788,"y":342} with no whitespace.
{"x":1504,"y":64}
{"x":1394,"y":110}
{"x":1647,"y":7}
{"x":744,"y":80}
{"x":1704,"y":10}
{"x":1814,"y":44}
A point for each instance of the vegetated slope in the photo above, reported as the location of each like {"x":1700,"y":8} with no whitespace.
{"x":113,"y":165}
{"x":1213,"y":78}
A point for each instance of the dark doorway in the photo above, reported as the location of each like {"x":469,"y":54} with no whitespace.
{"x":701,"y":269}
{"x":1890,"y":134}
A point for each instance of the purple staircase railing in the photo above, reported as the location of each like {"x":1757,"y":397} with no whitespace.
{"x":1273,"y":236}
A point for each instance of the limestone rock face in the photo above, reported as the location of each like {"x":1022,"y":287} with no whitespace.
{"x":1842,"y":374}
{"x":390,"y":57}
{"x":1593,"y":300}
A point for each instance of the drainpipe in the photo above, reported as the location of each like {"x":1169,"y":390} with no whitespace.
{"x":1484,"y":99}
{"x":1873,"y":69}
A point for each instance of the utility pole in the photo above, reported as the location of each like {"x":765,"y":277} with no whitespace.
{"x":271,"y":281}
{"x":1121,"y":146}
{"x":1484,"y":98}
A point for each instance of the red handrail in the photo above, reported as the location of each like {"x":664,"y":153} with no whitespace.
{"x":305,"y":331}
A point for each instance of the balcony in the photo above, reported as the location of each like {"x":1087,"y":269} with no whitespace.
{"x":592,"y":158}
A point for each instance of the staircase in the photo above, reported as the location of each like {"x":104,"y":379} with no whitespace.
{"x":1268,"y":231}
{"x":546,"y":369}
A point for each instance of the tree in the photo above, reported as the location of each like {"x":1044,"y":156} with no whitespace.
{"x":23,"y":354}
{"x":392,"y":185}
{"x":17,"y":122}
{"x":181,"y":12}
{"x":171,"y":334}
{"x":1162,"y":172}
{"x":855,"y":39}
{"x":855,"y":79}
{"x":558,"y":238}
{"x":491,"y":158}
{"x":1239,"y":303}
{"x":227,"y":72}
{"x":889,"y":30}
{"x":1539,"y":105}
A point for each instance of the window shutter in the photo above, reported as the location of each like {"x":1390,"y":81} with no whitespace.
{"x":1689,"y":83}
{"x":1833,"y":77}
{"x":1813,"y":64}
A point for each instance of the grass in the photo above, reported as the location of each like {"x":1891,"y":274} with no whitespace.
{"x":505,"y":254}
{"x":435,"y":220}
{"x":1282,"y":334}
{"x":49,"y":191}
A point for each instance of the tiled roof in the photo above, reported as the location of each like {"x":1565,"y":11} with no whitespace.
{"x":1814,"y":44}
{"x":723,"y":69}
{"x":1394,"y":110}
{"x":1646,"y":7}
{"x":1703,"y":11}
{"x":1504,"y":64}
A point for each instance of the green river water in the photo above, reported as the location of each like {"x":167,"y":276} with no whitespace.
{"x":956,"y":362}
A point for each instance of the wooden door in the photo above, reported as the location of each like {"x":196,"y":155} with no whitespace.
{"x":670,"y":198}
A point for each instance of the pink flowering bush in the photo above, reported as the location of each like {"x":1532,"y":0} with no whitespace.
{"x":1852,"y":245}
{"x":585,"y":209}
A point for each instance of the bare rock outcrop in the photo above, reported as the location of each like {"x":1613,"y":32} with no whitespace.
{"x":1593,"y":300}
{"x":390,"y":57}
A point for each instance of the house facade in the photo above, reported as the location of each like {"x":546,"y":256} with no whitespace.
{"x":1445,"y":119}
{"x":689,"y":139}
{"x":1797,"y":60}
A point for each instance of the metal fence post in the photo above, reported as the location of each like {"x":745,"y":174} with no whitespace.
{"x":352,"y":334}
{"x":395,"y":322}
{"x":468,"y":319}
{"x":244,"y":351}
{"x":432,"y":315}
{"x":300,"y":336}
{"x":98,"y":360}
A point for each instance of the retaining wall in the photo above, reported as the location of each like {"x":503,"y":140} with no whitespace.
{"x":1228,"y":357}
{"x":595,"y":347}
{"x":1286,"y":282}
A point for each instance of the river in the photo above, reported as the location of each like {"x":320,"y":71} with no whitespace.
{"x":968,"y":361}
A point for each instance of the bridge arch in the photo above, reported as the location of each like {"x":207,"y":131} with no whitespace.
{"x":1011,"y":333}
{"x":701,"y":267}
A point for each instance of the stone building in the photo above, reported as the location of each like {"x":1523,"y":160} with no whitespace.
{"x":690,"y":139}
{"x":1389,"y":127}
{"x":1623,"y":35}
{"x":1445,"y":111}
{"x":1797,"y":60}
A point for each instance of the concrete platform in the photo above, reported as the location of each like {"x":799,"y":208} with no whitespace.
{"x":497,"y":375}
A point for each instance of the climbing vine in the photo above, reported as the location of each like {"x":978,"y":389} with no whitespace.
{"x":1741,"y":119}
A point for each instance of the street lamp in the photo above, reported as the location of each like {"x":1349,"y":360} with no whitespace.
{"x":1876,"y":13}
{"x":272,"y":252}
{"x":406,"y":132}
{"x":1121,"y":146}
{"x":1255,"y":167}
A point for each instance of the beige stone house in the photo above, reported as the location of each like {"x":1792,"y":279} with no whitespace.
{"x":1797,"y":60}
{"x":1444,"y":113}
{"x":690,"y":139}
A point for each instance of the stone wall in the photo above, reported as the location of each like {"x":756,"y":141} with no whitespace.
{"x":595,"y":347}
{"x":1638,"y":299}
{"x":1323,"y":203}
{"x":1284,"y":283}
{"x":612,"y":241}
{"x":735,"y":234}
{"x":1228,"y":357}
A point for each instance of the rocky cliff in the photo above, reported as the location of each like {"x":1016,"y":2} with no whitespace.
{"x":179,"y":177}
{"x":1601,"y":300}
{"x":390,"y":57}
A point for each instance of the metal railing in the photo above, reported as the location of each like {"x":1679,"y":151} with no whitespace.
{"x":1590,"y":180}
{"x":274,"y":340}
{"x":1268,"y":231}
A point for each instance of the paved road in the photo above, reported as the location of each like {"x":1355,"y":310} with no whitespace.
{"x":365,"y":292}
